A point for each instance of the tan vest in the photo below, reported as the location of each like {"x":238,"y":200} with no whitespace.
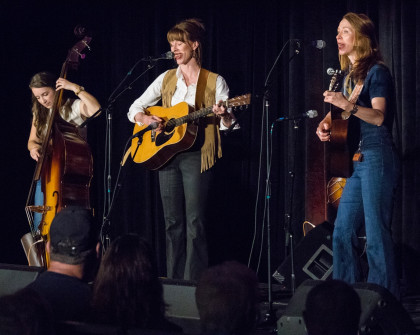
{"x":207,"y":98}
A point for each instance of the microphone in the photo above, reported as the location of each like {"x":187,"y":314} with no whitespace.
{"x":310,"y":114}
{"x":319,"y":44}
{"x":166,"y":55}
{"x":330,"y":71}
{"x":140,"y":133}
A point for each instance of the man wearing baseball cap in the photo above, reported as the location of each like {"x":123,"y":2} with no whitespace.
{"x":74,"y":251}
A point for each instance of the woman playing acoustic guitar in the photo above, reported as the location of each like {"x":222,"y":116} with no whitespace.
{"x":185,"y":179}
{"x":369,"y":193}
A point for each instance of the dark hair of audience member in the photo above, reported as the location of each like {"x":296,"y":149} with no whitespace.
{"x":25,"y":313}
{"x":127,"y":291}
{"x":332,"y":308}
{"x":227,"y":299}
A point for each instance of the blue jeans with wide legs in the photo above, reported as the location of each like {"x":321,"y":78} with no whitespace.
{"x":184,"y":191}
{"x":368,"y":199}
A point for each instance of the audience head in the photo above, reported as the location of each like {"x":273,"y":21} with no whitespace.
{"x":227,"y":299}
{"x":127,"y":290}
{"x":25,"y":312}
{"x":332,"y":308}
{"x":73,"y":236}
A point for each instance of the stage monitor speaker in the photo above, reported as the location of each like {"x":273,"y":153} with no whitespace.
{"x":291,"y":322}
{"x":382,"y":313}
{"x":179,"y":295}
{"x":15,"y":277}
{"x":313,"y":258}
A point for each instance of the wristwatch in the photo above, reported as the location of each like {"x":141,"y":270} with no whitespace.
{"x":80,"y":89}
{"x":354,"y":109}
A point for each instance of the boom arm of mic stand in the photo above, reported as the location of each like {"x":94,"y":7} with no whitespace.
{"x":90,"y":118}
{"x":129,"y":86}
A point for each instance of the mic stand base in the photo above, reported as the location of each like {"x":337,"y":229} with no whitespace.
{"x":269,"y":324}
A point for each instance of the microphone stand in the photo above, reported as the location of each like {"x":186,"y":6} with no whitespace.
{"x":288,"y":222}
{"x":270,"y":316}
{"x":106,"y":222}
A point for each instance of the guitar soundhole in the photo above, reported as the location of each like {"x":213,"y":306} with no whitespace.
{"x":169,"y":127}
{"x":163,"y":137}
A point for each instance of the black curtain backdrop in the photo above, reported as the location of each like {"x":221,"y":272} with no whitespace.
{"x":244,"y":39}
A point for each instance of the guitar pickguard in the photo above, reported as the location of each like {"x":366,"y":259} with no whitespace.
{"x":163,"y":138}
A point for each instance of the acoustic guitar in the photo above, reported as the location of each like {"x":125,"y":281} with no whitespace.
{"x":154,"y":148}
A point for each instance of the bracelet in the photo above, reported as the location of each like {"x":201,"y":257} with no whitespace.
{"x":354,"y":109}
{"x":80,"y":89}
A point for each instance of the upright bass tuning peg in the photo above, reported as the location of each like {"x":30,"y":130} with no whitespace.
{"x":82,"y":56}
{"x":81,"y":32}
{"x":87,"y":45}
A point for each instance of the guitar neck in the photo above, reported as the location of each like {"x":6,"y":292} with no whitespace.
{"x":243,"y":100}
{"x":190,"y":117}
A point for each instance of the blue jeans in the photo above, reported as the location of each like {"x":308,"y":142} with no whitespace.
{"x":368,"y":198}
{"x":184,"y":190}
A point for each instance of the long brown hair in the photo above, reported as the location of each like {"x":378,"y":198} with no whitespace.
{"x":40,"y":113}
{"x":189,"y":30}
{"x":365,"y":44}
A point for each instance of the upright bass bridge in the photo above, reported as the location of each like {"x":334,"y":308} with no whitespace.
{"x":39,"y":209}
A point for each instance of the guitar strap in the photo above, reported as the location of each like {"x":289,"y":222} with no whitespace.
{"x":354,"y":94}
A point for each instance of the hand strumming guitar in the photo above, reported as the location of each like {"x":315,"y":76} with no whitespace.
{"x":149,"y":119}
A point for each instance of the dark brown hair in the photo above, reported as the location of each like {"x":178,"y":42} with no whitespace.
{"x":39,"y":112}
{"x":227,"y":299}
{"x":127,"y":291}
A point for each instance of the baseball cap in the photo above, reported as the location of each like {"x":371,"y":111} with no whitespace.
{"x":73,"y":234}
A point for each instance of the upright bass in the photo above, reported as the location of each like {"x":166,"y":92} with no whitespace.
{"x":64,"y":168}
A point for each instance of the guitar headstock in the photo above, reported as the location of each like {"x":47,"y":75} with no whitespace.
{"x":336,"y":80}
{"x":239,"y":101}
